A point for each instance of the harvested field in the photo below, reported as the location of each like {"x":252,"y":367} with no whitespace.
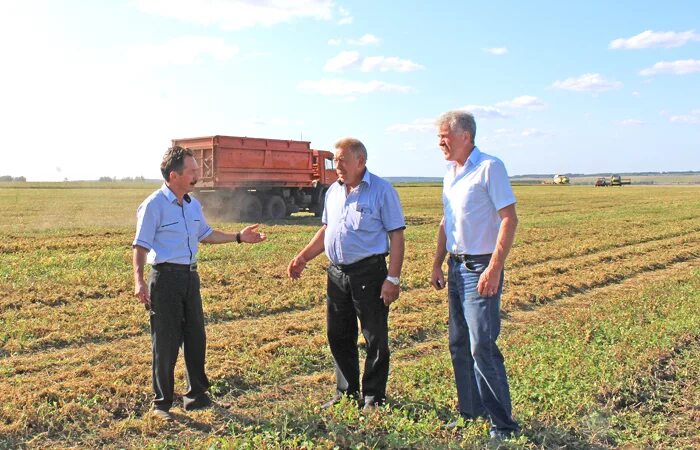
{"x":601,"y":333}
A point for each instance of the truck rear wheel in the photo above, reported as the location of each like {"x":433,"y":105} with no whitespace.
{"x":250,"y":208}
{"x":275,"y":208}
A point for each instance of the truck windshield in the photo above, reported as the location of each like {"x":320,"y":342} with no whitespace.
{"x":329,"y":164}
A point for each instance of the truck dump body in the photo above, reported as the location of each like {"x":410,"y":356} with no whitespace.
{"x":251,"y":178}
{"x":232,"y":161}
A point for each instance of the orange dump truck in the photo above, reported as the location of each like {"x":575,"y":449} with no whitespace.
{"x":252,"y":178}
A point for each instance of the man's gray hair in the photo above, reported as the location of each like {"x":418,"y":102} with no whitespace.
{"x":354,"y":145}
{"x":459,"y":120}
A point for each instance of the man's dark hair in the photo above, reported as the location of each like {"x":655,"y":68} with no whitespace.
{"x":174,"y":159}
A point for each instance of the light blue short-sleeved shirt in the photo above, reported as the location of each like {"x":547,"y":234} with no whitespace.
{"x":169,"y":231}
{"x":471,"y":197}
{"x":358,"y":222}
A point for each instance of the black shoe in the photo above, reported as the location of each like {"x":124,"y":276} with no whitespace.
{"x":200,"y":402}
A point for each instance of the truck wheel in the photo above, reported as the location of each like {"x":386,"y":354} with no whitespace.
{"x":251,"y":208}
{"x":275,"y":208}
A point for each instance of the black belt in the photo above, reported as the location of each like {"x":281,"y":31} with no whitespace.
{"x":363,"y":262}
{"x":463,"y":258}
{"x":172,"y":267}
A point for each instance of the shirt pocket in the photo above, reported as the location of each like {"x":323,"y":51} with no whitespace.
{"x":368,"y":218}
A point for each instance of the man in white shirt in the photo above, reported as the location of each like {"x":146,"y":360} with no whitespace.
{"x":477,"y":230}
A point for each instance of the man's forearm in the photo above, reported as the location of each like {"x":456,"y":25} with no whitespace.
{"x":441,"y":250}
{"x":315,"y":246}
{"x":506,"y":236}
{"x":139,"y":262}
{"x":397,"y":247}
{"x":220,"y":237}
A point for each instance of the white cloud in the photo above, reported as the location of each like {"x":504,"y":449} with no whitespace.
{"x":655,"y":39}
{"x":181,"y":51}
{"x":485,"y":112}
{"x":522,"y":102}
{"x":693,"y":118}
{"x":593,"y":82}
{"x":388,"y":64}
{"x":498,"y":51}
{"x":237,"y":14}
{"x":345,"y":16}
{"x":533,"y":132}
{"x":416,"y":125}
{"x":680,"y":67}
{"x":352,"y":59}
{"x":366,"y":39}
{"x":636,"y":93}
{"x":342,"y":61}
{"x":497,"y":111}
{"x":347,"y":87}
{"x":631,"y":122}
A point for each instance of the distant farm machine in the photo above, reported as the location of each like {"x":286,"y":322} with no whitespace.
{"x":613,"y":180}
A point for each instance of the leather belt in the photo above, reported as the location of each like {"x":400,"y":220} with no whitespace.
{"x":463,"y":258}
{"x":363,"y":262}
{"x":172,"y":267}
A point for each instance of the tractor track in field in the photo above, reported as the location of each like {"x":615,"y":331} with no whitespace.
{"x":564,"y":256}
{"x":518,"y":293}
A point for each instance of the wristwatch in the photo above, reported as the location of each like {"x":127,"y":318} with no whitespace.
{"x":393,"y":280}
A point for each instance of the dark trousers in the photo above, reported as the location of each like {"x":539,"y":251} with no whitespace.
{"x":177,"y":320}
{"x":352,"y":294}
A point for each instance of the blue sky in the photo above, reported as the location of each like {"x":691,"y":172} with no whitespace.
{"x":98,"y":88}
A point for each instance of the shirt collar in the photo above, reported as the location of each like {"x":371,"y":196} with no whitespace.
{"x":472,"y":160}
{"x":474,"y":157}
{"x":171,"y":196}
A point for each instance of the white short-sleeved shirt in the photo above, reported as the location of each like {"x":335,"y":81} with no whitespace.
{"x":170,"y":232}
{"x":471,"y":197}
{"x":358,"y":222}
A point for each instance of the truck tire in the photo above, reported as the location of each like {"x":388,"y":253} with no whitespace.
{"x":250,"y":208}
{"x":275,"y":208}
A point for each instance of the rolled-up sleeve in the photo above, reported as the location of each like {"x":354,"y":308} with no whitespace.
{"x":391,"y":211}
{"x":498,"y":185}
{"x":146,"y":225}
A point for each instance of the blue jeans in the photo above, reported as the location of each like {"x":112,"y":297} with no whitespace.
{"x":474,"y":325}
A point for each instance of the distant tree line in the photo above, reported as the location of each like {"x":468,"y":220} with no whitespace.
{"x":11,"y":178}
{"x":111,"y":179}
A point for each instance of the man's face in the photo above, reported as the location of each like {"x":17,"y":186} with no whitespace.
{"x":348,"y":166}
{"x":455,"y":144}
{"x":185,"y":181}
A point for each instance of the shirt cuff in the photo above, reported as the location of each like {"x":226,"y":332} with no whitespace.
{"x":140,"y":243}
{"x":204,"y":235}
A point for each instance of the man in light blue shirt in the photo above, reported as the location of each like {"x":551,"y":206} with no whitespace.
{"x":362,"y":223}
{"x":170,"y":225}
{"x":477,"y":230}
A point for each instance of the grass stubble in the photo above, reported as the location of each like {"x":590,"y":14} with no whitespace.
{"x":600,"y":332}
